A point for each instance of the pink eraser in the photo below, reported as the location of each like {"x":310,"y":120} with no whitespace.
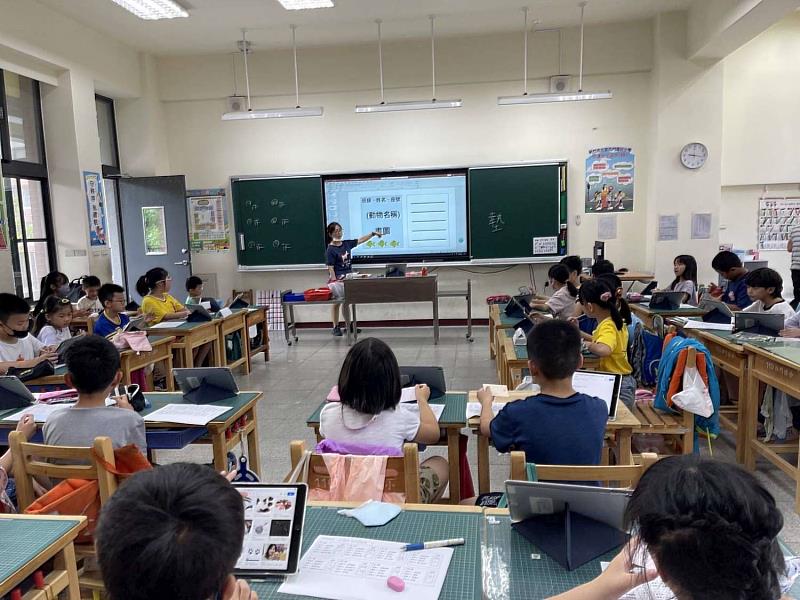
{"x":396,"y":584}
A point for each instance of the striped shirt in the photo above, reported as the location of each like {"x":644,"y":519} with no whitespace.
{"x":794,"y":236}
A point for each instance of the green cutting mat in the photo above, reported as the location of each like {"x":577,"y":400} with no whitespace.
{"x":464,"y":575}
{"x":160,"y":400}
{"x":29,"y":538}
{"x":454,"y":413}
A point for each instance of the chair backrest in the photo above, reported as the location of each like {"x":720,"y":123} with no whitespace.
{"x":247,"y":296}
{"x":31,"y":460}
{"x":90,"y":321}
{"x":433,"y":377}
{"x":402,"y":472}
{"x":614,"y":473}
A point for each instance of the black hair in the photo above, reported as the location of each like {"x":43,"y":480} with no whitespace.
{"x":690,"y":270}
{"x":51,"y":279}
{"x":11,"y":305}
{"x":554,"y":346}
{"x":329,"y":231}
{"x":192,"y":282}
{"x":147,"y":282}
{"x":369,"y":381}
{"x":51,"y":305}
{"x":560,"y":273}
{"x":622,"y":305}
{"x":602,"y":266}
{"x":594,"y":290}
{"x":107,"y":291}
{"x":573,"y":263}
{"x":90,"y":281}
{"x":171,"y":532}
{"x":766,"y":278}
{"x":710,"y":527}
{"x":92,"y":362}
{"x":725,"y":261}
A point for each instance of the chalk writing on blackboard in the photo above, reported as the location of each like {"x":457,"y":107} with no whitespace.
{"x":496,"y":222}
{"x":276,"y":243}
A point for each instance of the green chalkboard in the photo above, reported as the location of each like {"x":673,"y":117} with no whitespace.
{"x":279,"y":221}
{"x":518,"y":212}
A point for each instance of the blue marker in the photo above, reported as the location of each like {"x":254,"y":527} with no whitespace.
{"x":429,"y":545}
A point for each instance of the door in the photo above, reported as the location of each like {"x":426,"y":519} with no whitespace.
{"x":155,"y":229}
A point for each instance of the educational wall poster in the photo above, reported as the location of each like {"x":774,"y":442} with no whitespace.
{"x":96,"y":207}
{"x":545,"y":245}
{"x":609,"y":180}
{"x":776,"y":217}
{"x":209,"y":231}
{"x":667,"y":228}
{"x":607,"y":227}
{"x":701,"y":226}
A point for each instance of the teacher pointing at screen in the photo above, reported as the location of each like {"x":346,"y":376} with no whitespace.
{"x":339,"y":260}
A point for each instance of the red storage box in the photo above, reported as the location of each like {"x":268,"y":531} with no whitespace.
{"x":317,"y":294}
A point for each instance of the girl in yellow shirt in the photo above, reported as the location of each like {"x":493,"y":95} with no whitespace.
{"x":609,"y":340}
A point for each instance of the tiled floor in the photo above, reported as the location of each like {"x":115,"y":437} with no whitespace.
{"x":298,"y":377}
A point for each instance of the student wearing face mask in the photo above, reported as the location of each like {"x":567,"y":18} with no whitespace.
{"x":338,"y":258}
{"x":54,"y":283}
{"x":18,"y":348}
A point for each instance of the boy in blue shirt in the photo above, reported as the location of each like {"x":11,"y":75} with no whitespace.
{"x":559,"y":426}
{"x":729,"y":266}
{"x":113,"y":317}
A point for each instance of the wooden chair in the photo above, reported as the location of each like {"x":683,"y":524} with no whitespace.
{"x":402,"y":472}
{"x":90,"y":321}
{"x":616,"y":473}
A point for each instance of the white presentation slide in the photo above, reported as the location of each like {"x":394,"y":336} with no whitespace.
{"x":423,"y":216}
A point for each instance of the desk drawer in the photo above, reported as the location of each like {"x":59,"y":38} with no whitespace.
{"x":173,"y":439}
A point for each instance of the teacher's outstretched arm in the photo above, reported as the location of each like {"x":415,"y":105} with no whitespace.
{"x":364,"y":238}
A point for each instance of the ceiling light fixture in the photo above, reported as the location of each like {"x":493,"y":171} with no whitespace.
{"x":580,"y":95}
{"x":384,"y":106}
{"x":305,"y":4}
{"x":272,"y":113}
{"x":153,"y":10}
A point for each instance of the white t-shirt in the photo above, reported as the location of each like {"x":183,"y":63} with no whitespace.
{"x":782,"y":307}
{"x":27,"y":347}
{"x":390,"y":428}
{"x":562,"y":304}
{"x":87,"y":303}
{"x":50,"y":336}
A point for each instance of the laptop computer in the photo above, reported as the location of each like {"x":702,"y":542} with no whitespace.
{"x":758,"y":323}
{"x":666,"y":300}
{"x":599,"y":384}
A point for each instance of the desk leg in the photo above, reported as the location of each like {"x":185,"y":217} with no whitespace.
{"x":353,"y":324}
{"x":188,"y":357}
{"x":253,"y":451}
{"x":65,"y":561}
{"x":436,"y":319}
{"x":491,"y":337}
{"x":741,"y":417}
{"x":452,"y":458}
{"x":484,"y":477}
{"x":751,"y":418}
{"x":170,"y":377}
{"x":469,"y":311}
{"x":624,"y":440}
{"x":219,"y":449}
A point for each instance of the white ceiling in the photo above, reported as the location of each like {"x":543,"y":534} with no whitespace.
{"x":214,"y":25}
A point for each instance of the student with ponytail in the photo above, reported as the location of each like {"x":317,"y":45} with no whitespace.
{"x":609,"y":340}
{"x":154,"y":288}
{"x":562,"y":303}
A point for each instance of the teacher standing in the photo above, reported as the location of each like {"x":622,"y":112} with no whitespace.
{"x":339,"y":260}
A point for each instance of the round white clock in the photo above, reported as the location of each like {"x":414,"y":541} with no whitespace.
{"x":694,"y":155}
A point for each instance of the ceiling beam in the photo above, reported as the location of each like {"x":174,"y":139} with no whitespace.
{"x":719,"y":27}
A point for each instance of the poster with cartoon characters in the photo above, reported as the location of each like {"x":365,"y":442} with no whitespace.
{"x":609,"y":180}
{"x":776,"y":218}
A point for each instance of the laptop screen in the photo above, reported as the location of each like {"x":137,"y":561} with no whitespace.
{"x":601,"y":385}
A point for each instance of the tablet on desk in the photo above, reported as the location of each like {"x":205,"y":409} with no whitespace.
{"x":273,"y":528}
{"x":666,"y":300}
{"x":601,"y":385}
{"x":207,"y":384}
{"x":759,"y":323}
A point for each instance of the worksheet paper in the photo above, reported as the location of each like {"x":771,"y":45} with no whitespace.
{"x":474,"y":409}
{"x":343,"y":568}
{"x":690,"y":324}
{"x":437,"y":409}
{"x":187,"y":414}
{"x":40,"y":412}
{"x":167,"y":325}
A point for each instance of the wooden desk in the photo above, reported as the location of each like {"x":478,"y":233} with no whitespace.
{"x":653,"y":320}
{"x":51,"y":381}
{"x":392,"y":290}
{"x":620,"y":428}
{"x":514,"y":358}
{"x":776,"y":364}
{"x":290,"y":323}
{"x":257,"y":317}
{"x":189,"y":336}
{"x":636,"y":276}
{"x":233,"y":323}
{"x":130,"y":360}
{"x":29,"y":542}
{"x":498,"y":320}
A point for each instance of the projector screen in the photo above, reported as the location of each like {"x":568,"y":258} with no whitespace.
{"x":422,"y":215}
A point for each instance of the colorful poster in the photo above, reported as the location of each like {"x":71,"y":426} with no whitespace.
{"x":609,"y":180}
{"x":96,"y":207}
{"x":208,"y":221}
{"x":776,"y":218}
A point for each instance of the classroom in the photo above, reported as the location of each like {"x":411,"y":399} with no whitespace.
{"x":370,"y":298}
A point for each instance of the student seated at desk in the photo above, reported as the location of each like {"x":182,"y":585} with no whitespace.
{"x":157,"y":303}
{"x":729,"y":266}
{"x":90,"y":303}
{"x":113,"y":317}
{"x":194,"y":287}
{"x":18,"y":348}
{"x":575,"y":266}
{"x":28,"y":427}
{"x":559,"y":426}
{"x":562,"y":303}
{"x":370,"y":411}
{"x":52,"y":324}
{"x":764,"y":288}
{"x":54,"y":283}
{"x":711,"y":529}
{"x":685,"y":268}
{"x":602,"y":267}
{"x":173,"y":532}
{"x":93,"y":369}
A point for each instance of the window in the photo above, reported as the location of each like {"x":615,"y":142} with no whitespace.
{"x":25,"y":188}
{"x":109,"y":157}
{"x":107,"y":130}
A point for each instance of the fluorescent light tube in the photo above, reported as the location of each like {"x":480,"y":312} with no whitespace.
{"x":545,"y":98}
{"x":152,"y":10}
{"x":305,"y":4}
{"x":273,"y":113}
{"x":412,"y":105}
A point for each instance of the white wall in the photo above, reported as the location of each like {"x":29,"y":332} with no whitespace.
{"x":476,"y":69}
